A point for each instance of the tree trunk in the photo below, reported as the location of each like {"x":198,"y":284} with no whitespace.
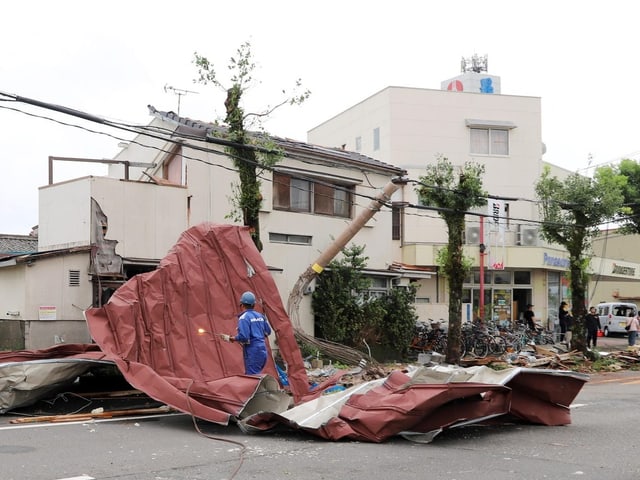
{"x":456,"y":276}
{"x":578,"y":297}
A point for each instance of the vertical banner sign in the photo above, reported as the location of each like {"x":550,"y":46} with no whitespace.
{"x":496,"y":235}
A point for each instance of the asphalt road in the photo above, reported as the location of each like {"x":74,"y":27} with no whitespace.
{"x":601,"y":443}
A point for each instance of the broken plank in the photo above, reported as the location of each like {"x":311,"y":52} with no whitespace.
{"x":628,"y":359}
{"x":117,"y":393}
{"x":539,"y":362}
{"x":545,"y":351}
{"x":84,"y":416}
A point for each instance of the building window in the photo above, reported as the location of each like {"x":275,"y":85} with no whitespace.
{"x":288,"y":238}
{"x":376,"y":138}
{"x":379,"y":287}
{"x":300,"y":195}
{"x":522,"y":277}
{"x":358,"y":144}
{"x":297,"y":195}
{"x":396,"y":222}
{"x":487,"y":277}
{"x":502,"y":278}
{"x":489,"y":141}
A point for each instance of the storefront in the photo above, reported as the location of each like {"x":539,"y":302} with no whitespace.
{"x":506,"y":294}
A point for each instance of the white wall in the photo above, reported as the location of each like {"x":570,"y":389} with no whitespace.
{"x":145,"y":218}
{"x":12,"y":292}
{"x":64,"y":214}
{"x":416,"y":125}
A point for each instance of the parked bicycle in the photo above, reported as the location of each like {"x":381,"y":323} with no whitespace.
{"x":429,"y":337}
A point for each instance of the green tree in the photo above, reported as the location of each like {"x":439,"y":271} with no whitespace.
{"x":399,"y":319}
{"x":453,"y":191}
{"x":346,"y":313}
{"x":572,"y":212}
{"x":630,"y":215}
{"x":341,"y":303}
{"x":252,"y":151}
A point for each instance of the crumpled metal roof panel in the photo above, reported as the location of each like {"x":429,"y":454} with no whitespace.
{"x":420,"y":404}
{"x":162,"y":327}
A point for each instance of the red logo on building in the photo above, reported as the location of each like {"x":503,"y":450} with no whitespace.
{"x":455,"y":86}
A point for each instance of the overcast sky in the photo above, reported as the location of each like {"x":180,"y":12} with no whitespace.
{"x":112,"y":59}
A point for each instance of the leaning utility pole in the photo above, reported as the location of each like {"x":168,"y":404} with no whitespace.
{"x":297,"y":292}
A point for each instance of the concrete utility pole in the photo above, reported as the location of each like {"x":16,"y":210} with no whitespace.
{"x":339,"y":243}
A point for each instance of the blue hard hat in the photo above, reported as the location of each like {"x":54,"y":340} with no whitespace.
{"x":248,"y":298}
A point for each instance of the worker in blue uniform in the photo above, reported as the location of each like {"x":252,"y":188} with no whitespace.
{"x":253,"y":330}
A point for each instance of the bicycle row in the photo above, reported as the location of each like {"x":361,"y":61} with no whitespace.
{"x":479,"y":340}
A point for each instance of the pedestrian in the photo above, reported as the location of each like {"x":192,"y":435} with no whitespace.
{"x":529,"y":317}
{"x":592,"y":324}
{"x":253,"y":329}
{"x":563,"y":315}
{"x":634,"y":326}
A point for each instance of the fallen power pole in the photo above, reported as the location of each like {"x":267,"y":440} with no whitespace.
{"x":340,"y":352}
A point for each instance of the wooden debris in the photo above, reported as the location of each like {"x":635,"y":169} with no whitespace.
{"x":118,"y":393}
{"x":627,"y":358}
{"x":540,"y":362}
{"x":85,"y":417}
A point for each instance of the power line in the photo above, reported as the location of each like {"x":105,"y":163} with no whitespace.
{"x":177,"y":138}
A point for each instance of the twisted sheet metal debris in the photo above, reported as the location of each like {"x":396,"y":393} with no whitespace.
{"x":422,"y":402}
{"x":161,"y":327}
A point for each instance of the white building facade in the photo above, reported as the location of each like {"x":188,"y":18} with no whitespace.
{"x":412,"y":127}
{"x":97,"y":232}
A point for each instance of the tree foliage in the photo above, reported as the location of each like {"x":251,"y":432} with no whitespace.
{"x":347,"y":313}
{"x":573,"y":210}
{"x":254,"y":150}
{"x":399,"y":319}
{"x":453,"y":191}
{"x":630,"y":215}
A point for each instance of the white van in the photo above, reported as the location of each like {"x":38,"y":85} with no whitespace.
{"x":615,"y":315}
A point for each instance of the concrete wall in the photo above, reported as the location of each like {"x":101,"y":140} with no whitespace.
{"x":137,"y":214}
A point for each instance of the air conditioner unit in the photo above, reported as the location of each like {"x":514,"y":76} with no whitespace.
{"x":528,"y":236}
{"x":472,"y":235}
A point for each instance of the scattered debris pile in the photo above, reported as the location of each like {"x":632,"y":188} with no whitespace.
{"x":560,"y":358}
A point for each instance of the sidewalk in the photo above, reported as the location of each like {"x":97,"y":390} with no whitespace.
{"x":613,"y":343}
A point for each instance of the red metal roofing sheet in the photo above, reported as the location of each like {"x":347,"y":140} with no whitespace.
{"x":161,"y":327}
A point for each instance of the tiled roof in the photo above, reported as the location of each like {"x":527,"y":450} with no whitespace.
{"x":292,"y":148}
{"x":17,"y":244}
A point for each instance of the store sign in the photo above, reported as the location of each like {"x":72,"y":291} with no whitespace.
{"x":623,"y":270}
{"x":555,"y":261}
{"x":495,"y":238}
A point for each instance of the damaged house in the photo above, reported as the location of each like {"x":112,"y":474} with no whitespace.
{"x":95,"y":233}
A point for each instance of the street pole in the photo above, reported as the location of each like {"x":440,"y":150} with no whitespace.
{"x":482,"y":250}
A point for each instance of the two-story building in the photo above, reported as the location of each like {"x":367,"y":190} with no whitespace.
{"x":469,"y":120}
{"x":97,"y":232}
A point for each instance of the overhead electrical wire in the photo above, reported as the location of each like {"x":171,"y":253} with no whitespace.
{"x":176,"y":138}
